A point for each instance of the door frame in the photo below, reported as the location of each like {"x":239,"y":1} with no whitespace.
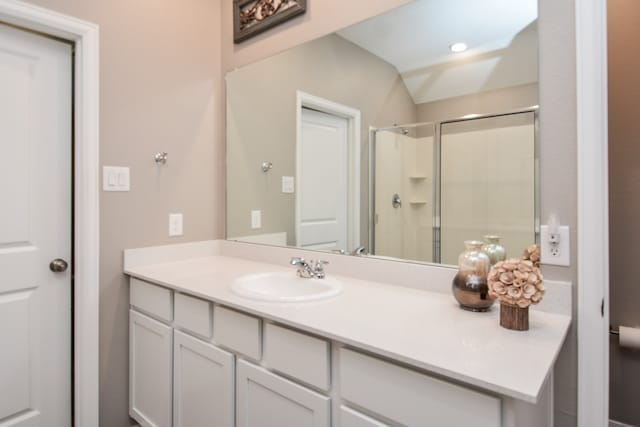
{"x":593,"y":213}
{"x":353,"y":116}
{"x":85,"y":38}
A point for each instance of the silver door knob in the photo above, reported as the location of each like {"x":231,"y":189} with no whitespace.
{"x":58,"y":265}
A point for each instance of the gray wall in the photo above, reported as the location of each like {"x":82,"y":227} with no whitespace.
{"x":261,"y":123}
{"x":488,"y":102}
{"x":624,"y":202}
{"x":160,"y":90}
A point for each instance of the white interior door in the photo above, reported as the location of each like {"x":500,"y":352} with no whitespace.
{"x":323,"y":182}
{"x":35,"y":228}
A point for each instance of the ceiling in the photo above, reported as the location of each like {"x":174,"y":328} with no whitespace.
{"x":415,"y":39}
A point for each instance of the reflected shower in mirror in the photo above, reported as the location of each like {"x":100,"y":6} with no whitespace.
{"x":479,"y":172}
{"x":383,"y":136}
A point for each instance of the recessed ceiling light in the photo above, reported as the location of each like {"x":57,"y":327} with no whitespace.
{"x":458,"y":47}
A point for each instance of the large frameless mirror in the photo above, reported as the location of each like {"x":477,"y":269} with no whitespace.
{"x":400,"y":137}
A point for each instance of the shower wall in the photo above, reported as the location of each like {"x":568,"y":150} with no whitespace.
{"x":404,"y":166}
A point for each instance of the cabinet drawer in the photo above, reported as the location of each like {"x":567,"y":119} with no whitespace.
{"x":193,"y":314}
{"x":301,"y":356}
{"x":411,"y":398}
{"x":267,"y":400}
{"x":351,"y":418}
{"x":237,"y":331}
{"x":152,"y":299}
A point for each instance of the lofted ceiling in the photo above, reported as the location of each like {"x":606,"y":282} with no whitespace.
{"x":415,"y":38}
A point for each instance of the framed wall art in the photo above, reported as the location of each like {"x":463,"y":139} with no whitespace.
{"x":251,"y":17}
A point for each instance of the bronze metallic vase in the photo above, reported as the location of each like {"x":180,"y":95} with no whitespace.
{"x":469,"y":286}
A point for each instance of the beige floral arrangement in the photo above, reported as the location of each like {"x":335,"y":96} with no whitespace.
{"x":532,"y":253}
{"x":517,"y":282}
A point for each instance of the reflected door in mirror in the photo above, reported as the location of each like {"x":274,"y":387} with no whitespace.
{"x":321,"y":220}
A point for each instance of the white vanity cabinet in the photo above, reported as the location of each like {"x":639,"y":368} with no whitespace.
{"x":177,"y":378}
{"x":197,"y":363}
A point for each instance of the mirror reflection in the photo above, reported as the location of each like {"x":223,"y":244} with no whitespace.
{"x":390,"y":138}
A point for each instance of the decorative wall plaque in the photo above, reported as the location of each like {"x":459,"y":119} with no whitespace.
{"x":251,"y":17}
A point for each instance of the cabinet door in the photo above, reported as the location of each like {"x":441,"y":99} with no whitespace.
{"x":150,"y":371}
{"x":351,"y":418}
{"x":267,"y":400}
{"x":203,"y":390}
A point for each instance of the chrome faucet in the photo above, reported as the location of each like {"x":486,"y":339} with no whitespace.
{"x":359,"y":251}
{"x":309,"y":269}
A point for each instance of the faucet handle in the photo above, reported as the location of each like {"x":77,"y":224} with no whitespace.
{"x":296,"y":261}
{"x":318,"y":268}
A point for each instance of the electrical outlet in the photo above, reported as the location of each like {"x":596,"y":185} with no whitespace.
{"x":175,"y":225}
{"x":555,"y":249}
{"x":288,"y":184}
{"x":256,"y":219}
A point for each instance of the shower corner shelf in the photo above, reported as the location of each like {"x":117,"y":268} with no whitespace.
{"x":417,"y":177}
{"x":417,"y":202}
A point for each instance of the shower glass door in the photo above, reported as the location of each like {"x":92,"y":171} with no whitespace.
{"x":487,"y":183}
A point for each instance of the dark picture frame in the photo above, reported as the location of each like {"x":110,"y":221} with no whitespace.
{"x":252,"y":17}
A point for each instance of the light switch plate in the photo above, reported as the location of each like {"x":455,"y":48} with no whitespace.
{"x":288,"y":184}
{"x":560,"y":254}
{"x":256,"y":219}
{"x":175,"y":225}
{"x":115,"y":178}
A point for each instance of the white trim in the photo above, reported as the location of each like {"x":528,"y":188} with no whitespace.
{"x":593,"y":206}
{"x":86,"y":252}
{"x":354,"y":118}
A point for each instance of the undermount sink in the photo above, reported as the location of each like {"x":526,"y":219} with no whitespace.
{"x":285,"y":287}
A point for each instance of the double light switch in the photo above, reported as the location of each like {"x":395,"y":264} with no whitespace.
{"x":115,"y":178}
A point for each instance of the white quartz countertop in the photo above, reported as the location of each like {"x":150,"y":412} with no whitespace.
{"x":426,"y":330}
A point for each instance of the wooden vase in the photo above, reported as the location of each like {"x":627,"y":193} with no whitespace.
{"x":514,"y":317}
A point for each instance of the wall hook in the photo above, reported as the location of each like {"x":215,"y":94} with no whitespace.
{"x":161,"y":157}
{"x":266,"y":166}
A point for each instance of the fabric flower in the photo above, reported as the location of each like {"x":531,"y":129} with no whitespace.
{"x":517,"y":282}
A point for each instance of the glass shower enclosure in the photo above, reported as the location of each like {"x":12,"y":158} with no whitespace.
{"x":435,"y":185}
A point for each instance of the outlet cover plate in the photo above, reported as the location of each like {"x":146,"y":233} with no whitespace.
{"x":175,"y":225}
{"x":564,"y":247}
{"x":256,"y":219}
{"x":288,"y":184}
